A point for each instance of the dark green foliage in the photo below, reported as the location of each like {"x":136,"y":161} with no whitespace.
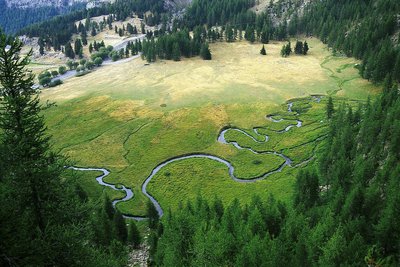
{"x":55,"y":83}
{"x":305,"y":48}
{"x":329,"y":108}
{"x":262,"y":51}
{"x":108,"y":207}
{"x":54,"y":73}
{"x":62,"y":70}
{"x":120,"y":227}
{"x":345,"y":211}
{"x":68,"y":51}
{"x":63,"y":27}
{"x":286,"y":50}
{"x":250,"y":34}
{"x":334,"y":23}
{"x":205,"y":52}
{"x":134,"y":237}
{"x":307,"y":190}
{"x":222,"y":238}
{"x":219,"y":12}
{"x":298,"y":49}
{"x":78,"y":48}
{"x":152,"y":214}
{"x":13,"y":19}
{"x":98,"y":61}
{"x":176,"y":53}
{"x":43,"y":221}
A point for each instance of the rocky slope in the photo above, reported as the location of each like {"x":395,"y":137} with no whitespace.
{"x":42,"y":3}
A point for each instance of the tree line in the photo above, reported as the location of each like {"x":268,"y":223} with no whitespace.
{"x":14,"y":19}
{"x":177,"y":44}
{"x":61,"y":28}
{"x":362,"y":29}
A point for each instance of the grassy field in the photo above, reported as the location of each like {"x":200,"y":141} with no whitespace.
{"x":130,"y":117}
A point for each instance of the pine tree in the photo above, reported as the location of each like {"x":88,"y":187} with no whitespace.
{"x":262,"y":51}
{"x":134,"y":235}
{"x":264,"y":36}
{"x":299,"y":48}
{"x":108,"y":207}
{"x":120,"y":227}
{"x":205,"y":52}
{"x":69,"y":52}
{"x":84,"y":38}
{"x":305,"y":48}
{"x":152,"y":214}
{"x":329,"y":108}
{"x":78,"y":47}
{"x":42,"y":220}
{"x":93,"y":32}
{"x":176,"y":53}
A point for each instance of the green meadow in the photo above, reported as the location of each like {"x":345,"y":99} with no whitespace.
{"x":130,"y":117}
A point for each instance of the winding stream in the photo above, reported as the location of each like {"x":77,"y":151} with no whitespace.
{"x":221,"y":138}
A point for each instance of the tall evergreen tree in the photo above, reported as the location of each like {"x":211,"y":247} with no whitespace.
{"x":262,"y":51}
{"x":120,"y":227}
{"x":152,"y":214}
{"x":305,"y":48}
{"x":134,"y":235}
{"x":329,"y":108}
{"x":43,"y":222}
{"x":205,"y":52}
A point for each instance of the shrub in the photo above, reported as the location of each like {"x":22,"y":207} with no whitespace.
{"x":62,"y":70}
{"x":55,"y":83}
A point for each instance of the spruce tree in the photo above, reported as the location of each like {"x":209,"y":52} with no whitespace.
{"x":108,"y":207}
{"x":299,"y":48}
{"x":205,"y":52}
{"x":176,"y":53}
{"x":329,"y":108}
{"x":69,"y":52}
{"x":134,"y":237}
{"x":305,"y":48}
{"x":120,"y":227}
{"x":262,"y":51}
{"x":152,"y":214}
{"x":42,"y":220}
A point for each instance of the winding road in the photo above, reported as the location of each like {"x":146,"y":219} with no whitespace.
{"x":221,"y":138}
{"x":72,"y":73}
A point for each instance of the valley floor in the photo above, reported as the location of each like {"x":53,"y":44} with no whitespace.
{"x":130,"y":117}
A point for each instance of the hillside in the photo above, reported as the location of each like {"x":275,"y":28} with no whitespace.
{"x":203,"y":133}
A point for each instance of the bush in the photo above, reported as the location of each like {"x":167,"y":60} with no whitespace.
{"x":70,"y":64}
{"x":55,"y":83}
{"x":62,"y":70}
{"x":54,"y":73}
{"x":89,"y":65}
{"x":114,"y":56}
{"x":44,"y":81}
{"x":44,"y":74}
{"x":98,"y":61}
{"x":81,"y":73}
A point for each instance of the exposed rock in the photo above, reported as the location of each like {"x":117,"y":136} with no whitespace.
{"x":176,"y":5}
{"x":139,"y":257}
{"x":41,"y":3}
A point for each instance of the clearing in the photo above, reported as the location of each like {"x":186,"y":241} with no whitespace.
{"x":130,"y":117}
